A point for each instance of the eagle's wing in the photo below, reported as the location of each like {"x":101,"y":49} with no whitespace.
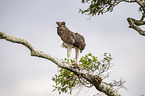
{"x":79,"y":41}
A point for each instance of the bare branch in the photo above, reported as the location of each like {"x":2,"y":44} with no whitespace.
{"x":142,"y":18}
{"x":95,"y":80}
{"x":142,"y":4}
{"x":33,"y":51}
{"x":135,"y":25}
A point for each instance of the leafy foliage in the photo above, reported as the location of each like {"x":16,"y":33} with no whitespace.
{"x":91,"y":64}
{"x":101,"y":6}
{"x":66,"y":80}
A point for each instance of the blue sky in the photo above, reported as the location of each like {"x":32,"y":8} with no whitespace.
{"x":35,"y":21}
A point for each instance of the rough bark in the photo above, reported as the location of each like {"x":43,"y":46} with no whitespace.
{"x":95,"y":80}
{"x":135,"y":25}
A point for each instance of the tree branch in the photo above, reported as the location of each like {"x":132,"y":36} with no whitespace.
{"x":135,"y":25}
{"x":95,"y":80}
{"x":33,"y":51}
{"x":142,"y":4}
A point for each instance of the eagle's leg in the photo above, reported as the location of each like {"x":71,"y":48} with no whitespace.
{"x":69,"y":53}
{"x":77,"y":55}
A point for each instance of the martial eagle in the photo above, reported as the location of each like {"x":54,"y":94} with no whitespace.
{"x":70,"y":40}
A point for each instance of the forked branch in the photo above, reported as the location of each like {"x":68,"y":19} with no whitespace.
{"x":136,"y":23}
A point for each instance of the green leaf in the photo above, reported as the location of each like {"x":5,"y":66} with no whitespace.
{"x":89,"y":54}
{"x":70,"y":92}
{"x":53,"y":90}
{"x":64,"y":81}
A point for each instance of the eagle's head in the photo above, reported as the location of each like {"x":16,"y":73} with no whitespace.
{"x":60,"y":28}
{"x":60,"y":24}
